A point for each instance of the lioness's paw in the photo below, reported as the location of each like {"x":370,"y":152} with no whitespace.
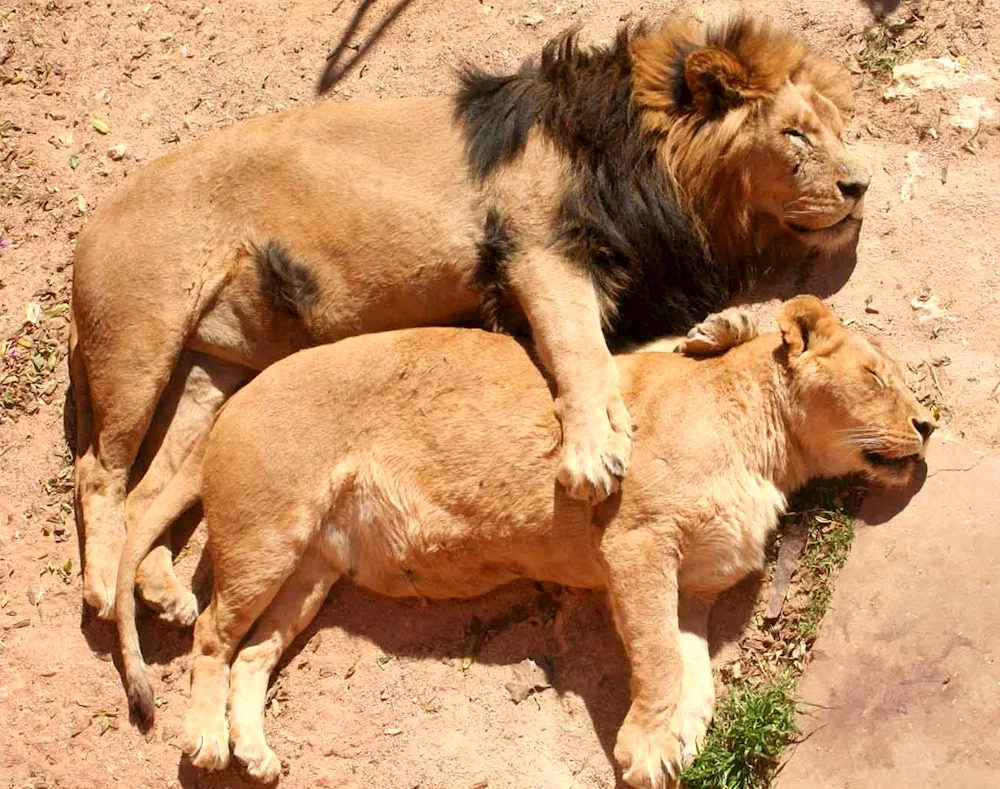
{"x":719,"y":332}
{"x":261,"y":762}
{"x":650,"y":756}
{"x":691,"y":724}
{"x":594,"y":460}
{"x":206,"y":747}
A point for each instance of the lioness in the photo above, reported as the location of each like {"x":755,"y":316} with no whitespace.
{"x":420,"y":462}
{"x":594,"y":196}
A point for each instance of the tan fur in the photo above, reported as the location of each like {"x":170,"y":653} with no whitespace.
{"x":376,"y":201}
{"x":420,"y":463}
{"x":786,"y":87}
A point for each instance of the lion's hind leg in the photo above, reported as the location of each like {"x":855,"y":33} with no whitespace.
{"x":291,"y":611}
{"x":118,"y":377}
{"x":719,"y":332}
{"x":187,"y":408}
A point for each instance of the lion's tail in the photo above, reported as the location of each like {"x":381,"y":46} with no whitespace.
{"x":180,"y":494}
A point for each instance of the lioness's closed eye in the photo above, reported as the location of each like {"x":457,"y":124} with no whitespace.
{"x":421,"y":462}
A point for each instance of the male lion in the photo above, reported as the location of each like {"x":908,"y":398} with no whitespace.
{"x":421,"y":462}
{"x":595,"y":196}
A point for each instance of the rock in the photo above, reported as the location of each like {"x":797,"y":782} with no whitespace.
{"x":532,"y":20}
{"x":972,"y":111}
{"x":931,"y":310}
{"x":118,"y":152}
{"x":909,"y":79}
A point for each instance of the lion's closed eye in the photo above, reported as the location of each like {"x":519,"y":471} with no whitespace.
{"x":798,"y":136}
{"x":877,"y":377}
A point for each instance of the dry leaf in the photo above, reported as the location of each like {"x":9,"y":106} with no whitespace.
{"x":101,"y":127}
{"x":528,"y":678}
{"x":33,"y":313}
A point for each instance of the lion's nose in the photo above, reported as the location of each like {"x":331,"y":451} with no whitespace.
{"x":854,"y":186}
{"x":924,"y":427}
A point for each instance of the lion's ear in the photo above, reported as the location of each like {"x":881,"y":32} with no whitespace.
{"x":716,"y":79}
{"x":806,"y":324}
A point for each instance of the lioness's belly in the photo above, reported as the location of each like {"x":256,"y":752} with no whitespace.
{"x":403,"y":548}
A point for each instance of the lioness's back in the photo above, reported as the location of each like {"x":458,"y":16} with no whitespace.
{"x":395,"y":394}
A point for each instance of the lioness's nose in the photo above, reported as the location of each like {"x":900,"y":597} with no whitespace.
{"x":855,"y":186}
{"x":924,"y":427}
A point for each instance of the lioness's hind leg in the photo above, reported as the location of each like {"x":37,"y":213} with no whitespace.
{"x":719,"y":332}
{"x":253,"y":553}
{"x":291,"y":611}
{"x":217,"y":633}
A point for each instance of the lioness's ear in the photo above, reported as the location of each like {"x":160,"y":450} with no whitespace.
{"x":716,"y":79}
{"x":805,"y":323}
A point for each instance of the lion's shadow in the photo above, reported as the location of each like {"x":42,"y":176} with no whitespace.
{"x":818,"y":275}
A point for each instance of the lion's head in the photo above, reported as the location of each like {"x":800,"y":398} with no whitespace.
{"x":751,"y":123}
{"x":856,"y":413}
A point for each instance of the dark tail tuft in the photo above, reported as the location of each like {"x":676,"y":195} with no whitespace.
{"x":141,"y":706}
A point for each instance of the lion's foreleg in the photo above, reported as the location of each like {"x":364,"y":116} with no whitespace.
{"x":562,"y":307}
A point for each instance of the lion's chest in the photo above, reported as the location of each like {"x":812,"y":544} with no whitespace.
{"x":727,"y":540}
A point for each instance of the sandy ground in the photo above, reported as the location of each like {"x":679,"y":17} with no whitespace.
{"x":379,"y":693}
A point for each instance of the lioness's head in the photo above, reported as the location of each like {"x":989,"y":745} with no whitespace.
{"x":857,"y":414}
{"x":751,"y":125}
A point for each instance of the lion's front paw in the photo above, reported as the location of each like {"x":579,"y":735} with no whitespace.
{"x":719,"y":332}
{"x":595,"y":458}
{"x":649,"y":755}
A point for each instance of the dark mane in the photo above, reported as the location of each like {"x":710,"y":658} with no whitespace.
{"x":621,"y":217}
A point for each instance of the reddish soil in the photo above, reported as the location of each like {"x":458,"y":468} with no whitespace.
{"x":379,"y":693}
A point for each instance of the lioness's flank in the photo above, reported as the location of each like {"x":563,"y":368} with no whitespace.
{"x":420,"y":462}
{"x":596,"y":195}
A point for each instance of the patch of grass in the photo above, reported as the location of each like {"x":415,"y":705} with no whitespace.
{"x":755,"y":721}
{"x":882,"y":52}
{"x":751,"y":727}
{"x":876,"y":60}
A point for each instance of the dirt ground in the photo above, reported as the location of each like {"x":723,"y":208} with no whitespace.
{"x":379,"y":693}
